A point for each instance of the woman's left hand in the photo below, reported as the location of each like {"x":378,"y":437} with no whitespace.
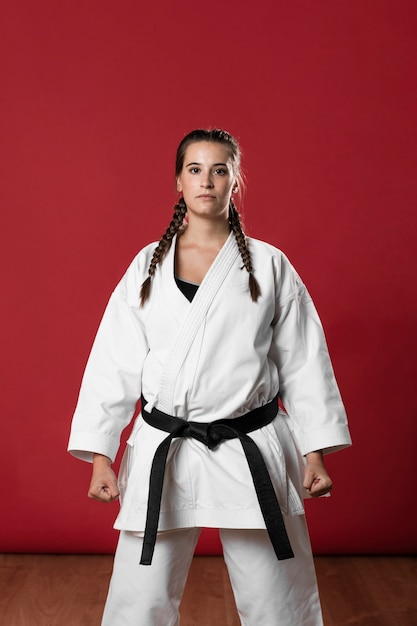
{"x":316,"y":479}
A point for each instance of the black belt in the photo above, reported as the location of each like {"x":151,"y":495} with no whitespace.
{"x":211,"y":434}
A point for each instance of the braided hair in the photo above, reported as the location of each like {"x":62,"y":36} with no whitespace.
{"x":163,"y":246}
{"x":180,"y":210}
{"x":242,"y":244}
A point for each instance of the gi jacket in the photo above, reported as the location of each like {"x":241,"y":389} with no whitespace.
{"x":219,"y":356}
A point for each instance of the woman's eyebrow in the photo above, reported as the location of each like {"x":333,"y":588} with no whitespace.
{"x":214,"y":164}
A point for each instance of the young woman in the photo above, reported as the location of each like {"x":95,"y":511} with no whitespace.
{"x":209,"y":328}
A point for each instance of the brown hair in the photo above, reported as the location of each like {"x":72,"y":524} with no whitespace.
{"x":180,"y":210}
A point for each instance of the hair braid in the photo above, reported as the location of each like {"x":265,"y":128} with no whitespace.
{"x":163,"y":247}
{"x":242,"y":244}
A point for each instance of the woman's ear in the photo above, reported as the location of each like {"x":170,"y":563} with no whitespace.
{"x":179,"y":186}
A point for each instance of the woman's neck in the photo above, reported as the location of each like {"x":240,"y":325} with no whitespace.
{"x":197,"y":248}
{"x":206,"y":233}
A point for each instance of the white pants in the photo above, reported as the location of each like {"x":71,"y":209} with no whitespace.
{"x":267,"y":592}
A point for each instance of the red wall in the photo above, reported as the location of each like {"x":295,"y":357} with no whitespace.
{"x":94,"y":99}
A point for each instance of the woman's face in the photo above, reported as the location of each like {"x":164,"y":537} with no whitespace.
{"x":207,"y":180}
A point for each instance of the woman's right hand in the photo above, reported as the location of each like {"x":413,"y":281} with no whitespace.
{"x":103,"y":486}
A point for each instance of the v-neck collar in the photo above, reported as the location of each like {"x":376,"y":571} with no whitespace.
{"x":228,"y":247}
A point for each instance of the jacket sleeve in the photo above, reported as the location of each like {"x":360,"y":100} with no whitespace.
{"x":111,"y":384}
{"x":308,"y":387}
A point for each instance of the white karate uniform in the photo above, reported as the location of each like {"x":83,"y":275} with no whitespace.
{"x":219,"y":356}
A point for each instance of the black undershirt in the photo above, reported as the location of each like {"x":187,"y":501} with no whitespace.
{"x":188,"y":289}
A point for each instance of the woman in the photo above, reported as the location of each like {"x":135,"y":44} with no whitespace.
{"x":210,"y":327}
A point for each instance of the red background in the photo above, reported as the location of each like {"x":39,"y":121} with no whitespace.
{"x":95,"y":97}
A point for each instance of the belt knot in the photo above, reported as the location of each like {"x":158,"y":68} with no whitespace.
{"x":206,"y":433}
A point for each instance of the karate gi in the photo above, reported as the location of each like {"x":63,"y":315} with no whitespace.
{"x":219,"y":356}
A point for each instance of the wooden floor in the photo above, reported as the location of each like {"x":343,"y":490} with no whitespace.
{"x":57,"y":590}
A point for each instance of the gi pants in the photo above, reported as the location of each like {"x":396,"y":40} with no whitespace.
{"x":267,"y":592}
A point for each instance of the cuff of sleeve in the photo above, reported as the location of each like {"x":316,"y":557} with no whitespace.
{"x":329,"y":439}
{"x":83,"y":445}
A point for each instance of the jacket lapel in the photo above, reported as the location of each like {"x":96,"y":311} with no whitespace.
{"x":197,"y":312}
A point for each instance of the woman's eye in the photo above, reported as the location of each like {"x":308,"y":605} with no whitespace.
{"x":194,"y":170}
{"x":221,"y":171}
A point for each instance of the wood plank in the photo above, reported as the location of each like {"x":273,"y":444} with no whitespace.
{"x":368,"y":590}
{"x":49,"y":590}
{"x":208,"y":596}
{"x":70,"y":590}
